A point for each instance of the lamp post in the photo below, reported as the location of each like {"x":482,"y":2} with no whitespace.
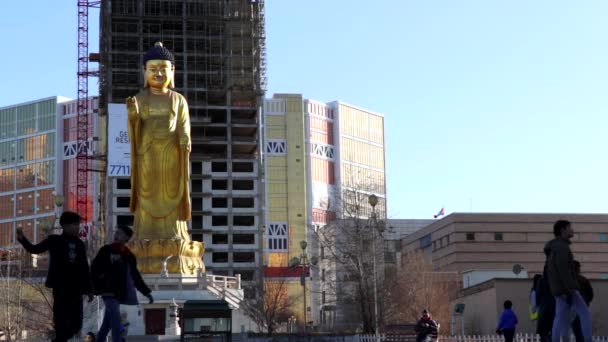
{"x":373,"y":201}
{"x":303,"y":261}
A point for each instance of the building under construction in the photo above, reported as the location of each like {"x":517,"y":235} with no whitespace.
{"x":219,"y":48}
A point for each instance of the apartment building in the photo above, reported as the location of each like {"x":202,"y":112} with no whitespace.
{"x":38,"y":171}
{"x":317,"y":156}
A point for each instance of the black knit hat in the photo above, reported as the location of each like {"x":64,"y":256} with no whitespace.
{"x":159,"y":52}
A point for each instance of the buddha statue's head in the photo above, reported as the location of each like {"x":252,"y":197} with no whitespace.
{"x":159,"y":67}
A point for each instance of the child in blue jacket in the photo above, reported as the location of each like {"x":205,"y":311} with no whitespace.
{"x":508,"y":322}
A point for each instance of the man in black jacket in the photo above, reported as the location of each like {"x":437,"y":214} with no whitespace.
{"x":426,"y":327}
{"x":115,"y":277}
{"x":68,"y":274}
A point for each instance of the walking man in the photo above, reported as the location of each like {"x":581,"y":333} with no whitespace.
{"x":68,"y":274}
{"x":116,"y":277}
{"x":564,"y":285}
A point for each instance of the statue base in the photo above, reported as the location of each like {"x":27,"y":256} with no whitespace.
{"x":159,"y":321}
{"x":168,"y":256}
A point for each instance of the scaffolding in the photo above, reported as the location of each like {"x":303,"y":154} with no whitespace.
{"x":220,"y":56}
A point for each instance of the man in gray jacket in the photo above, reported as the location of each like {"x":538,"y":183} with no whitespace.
{"x":564,"y":285}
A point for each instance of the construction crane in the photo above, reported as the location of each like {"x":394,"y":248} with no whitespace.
{"x":84,"y":146}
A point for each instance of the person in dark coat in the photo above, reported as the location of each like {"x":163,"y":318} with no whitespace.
{"x":587,"y":293}
{"x":425,"y":327}
{"x":564,"y":284}
{"x":115,"y":278}
{"x":68,"y":274}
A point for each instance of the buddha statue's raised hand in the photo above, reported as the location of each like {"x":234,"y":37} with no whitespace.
{"x":132,"y":108}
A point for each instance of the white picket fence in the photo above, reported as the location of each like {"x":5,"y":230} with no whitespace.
{"x":476,"y":338}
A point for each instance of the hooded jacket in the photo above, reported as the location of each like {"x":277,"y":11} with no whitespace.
{"x":560,"y":267}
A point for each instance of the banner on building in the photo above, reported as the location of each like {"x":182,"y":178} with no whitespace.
{"x":119,"y":147}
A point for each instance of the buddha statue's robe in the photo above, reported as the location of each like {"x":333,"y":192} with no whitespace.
{"x":160,"y":195}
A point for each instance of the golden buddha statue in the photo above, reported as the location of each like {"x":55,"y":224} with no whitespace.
{"x":159,"y":130}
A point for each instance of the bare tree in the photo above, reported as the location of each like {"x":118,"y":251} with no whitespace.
{"x":347,"y":246}
{"x":418,"y":286}
{"x":271,"y":306}
{"x":25,"y":302}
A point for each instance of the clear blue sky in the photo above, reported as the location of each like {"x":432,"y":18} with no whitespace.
{"x":498,"y":106}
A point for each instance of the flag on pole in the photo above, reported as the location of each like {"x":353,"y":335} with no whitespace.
{"x":440,"y":213}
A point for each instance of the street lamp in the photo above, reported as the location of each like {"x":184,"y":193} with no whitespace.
{"x":373,"y":201}
{"x":303,"y":261}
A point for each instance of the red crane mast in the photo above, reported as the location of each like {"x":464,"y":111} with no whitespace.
{"x":84,"y":146}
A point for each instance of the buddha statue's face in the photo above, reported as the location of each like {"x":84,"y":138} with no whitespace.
{"x":158,"y":73}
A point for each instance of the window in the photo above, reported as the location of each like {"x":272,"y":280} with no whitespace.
{"x":219,"y":239}
{"x":197,"y":185}
{"x":197,"y":203}
{"x":242,"y":185}
{"x":197,"y":168}
{"x":243,"y":239}
{"x":219,"y":221}
{"x":246,"y":275}
{"x":219,"y":167}
{"x":243,"y":257}
{"x":197,"y":222}
{"x":122,"y":202}
{"x":498,"y":237}
{"x":277,"y":237}
{"x":220,"y":257}
{"x":322,"y":275}
{"x":219,"y":202}
{"x":470,"y":236}
{"x":123,"y":183}
{"x":245,"y":221}
{"x":425,"y":241}
{"x":242,"y":167}
{"x":243,"y":202}
{"x":604,"y":237}
{"x":219,"y":184}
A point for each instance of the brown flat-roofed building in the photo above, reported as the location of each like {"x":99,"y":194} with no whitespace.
{"x":497,"y":241}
